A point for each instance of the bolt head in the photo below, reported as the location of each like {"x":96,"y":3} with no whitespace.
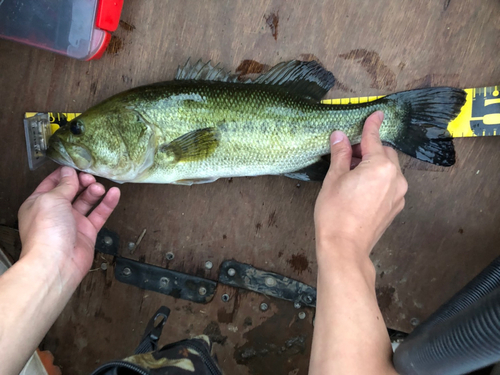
{"x":231,"y":272}
{"x":302,"y":315}
{"x":414,"y":322}
{"x":127,"y":271}
{"x":202,"y":291}
{"x":297,"y":305}
{"x":208,"y":265}
{"x":170,"y":255}
{"x":225,"y":297}
{"x":131,"y":245}
{"x":104,"y":266}
{"x":264,"y":306}
{"x":108,"y":240}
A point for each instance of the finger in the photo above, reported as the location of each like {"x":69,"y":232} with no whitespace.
{"x":355,"y":162}
{"x":341,"y":153}
{"x":393,"y":156}
{"x":90,"y":196}
{"x":85,"y":181}
{"x":68,"y":184}
{"x":370,"y":139}
{"x":101,"y":213}
{"x":49,"y":183}
{"x":356,"y":151}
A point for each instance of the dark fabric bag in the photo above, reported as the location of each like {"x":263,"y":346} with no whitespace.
{"x":187,"y":357}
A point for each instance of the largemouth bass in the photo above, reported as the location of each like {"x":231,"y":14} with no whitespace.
{"x":206,"y":124}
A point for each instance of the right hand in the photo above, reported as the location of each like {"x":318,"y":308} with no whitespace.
{"x":356,"y":206}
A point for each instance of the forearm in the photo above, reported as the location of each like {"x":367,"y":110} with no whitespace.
{"x":32,"y":295}
{"x":350,"y":336}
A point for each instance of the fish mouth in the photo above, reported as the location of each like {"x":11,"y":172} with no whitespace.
{"x":57,"y":152}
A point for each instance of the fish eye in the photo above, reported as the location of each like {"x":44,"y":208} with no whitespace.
{"x":76,"y":127}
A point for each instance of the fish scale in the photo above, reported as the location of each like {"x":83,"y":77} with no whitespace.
{"x":261,"y":131}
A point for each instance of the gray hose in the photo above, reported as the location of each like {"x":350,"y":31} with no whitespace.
{"x":461,"y":336}
{"x":483,"y":284}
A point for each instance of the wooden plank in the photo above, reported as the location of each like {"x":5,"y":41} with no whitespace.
{"x":373,"y":49}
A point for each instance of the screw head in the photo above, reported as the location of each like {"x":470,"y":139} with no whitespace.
{"x":202,"y":291}
{"x":302,"y":315}
{"x":309,"y":299}
{"x":164,"y":282}
{"x":264,"y":306}
{"x":208,"y":265}
{"x":225,"y":297}
{"x":127,"y":271}
{"x":170,"y":255}
{"x":108,"y":240}
{"x":297,"y":305}
{"x":414,"y":322}
{"x":131,"y":245}
{"x":104,"y":266}
{"x":231,"y":272}
{"x":270,"y":281}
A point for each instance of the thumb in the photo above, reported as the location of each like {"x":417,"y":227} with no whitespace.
{"x":68,"y":184}
{"x":341,"y":153}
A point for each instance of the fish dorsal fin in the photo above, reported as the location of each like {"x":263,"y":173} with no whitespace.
{"x":193,"y":146}
{"x":204,"y":72}
{"x":304,"y":78}
{"x":307,"y":79}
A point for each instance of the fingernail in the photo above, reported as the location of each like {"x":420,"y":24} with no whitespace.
{"x":337,"y":136}
{"x":66,"y":171}
{"x":380,"y":115}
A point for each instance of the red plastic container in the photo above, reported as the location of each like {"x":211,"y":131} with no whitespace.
{"x":75,"y":28}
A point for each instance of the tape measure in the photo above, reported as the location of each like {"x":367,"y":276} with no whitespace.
{"x":479,"y":117}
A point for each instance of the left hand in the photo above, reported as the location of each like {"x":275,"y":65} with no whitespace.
{"x":58,"y":229}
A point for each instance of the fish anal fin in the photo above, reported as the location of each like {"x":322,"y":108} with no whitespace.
{"x":313,"y":172}
{"x":194,"y":181}
{"x":193,"y":146}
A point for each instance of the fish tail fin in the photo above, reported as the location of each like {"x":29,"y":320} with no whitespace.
{"x":426,"y":114}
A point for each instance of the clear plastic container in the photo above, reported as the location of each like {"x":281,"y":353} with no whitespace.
{"x":75,"y":28}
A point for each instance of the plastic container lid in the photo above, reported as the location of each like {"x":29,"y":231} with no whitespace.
{"x":75,"y":28}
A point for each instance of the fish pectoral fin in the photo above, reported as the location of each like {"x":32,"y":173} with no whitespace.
{"x":307,"y":79}
{"x":314,"y":172}
{"x":193,"y":146}
{"x":193,"y":181}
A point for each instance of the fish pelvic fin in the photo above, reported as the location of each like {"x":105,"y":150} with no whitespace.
{"x":307,"y":79}
{"x":193,"y":146}
{"x":426,"y":115}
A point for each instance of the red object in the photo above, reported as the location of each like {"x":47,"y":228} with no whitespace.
{"x":108,"y":14}
{"x":102,"y":48}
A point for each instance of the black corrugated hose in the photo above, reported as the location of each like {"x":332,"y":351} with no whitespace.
{"x":463,"y":335}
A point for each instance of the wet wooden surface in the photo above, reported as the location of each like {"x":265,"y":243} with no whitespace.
{"x":448,"y":231}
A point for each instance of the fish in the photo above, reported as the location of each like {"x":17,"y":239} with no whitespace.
{"x":208,"y":124}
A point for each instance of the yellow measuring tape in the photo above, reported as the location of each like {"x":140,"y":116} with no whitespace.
{"x":480,"y":115}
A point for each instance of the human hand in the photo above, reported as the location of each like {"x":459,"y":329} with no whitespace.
{"x":57,"y":229}
{"x":355,"y":207}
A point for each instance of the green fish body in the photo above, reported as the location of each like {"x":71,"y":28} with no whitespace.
{"x":206,"y":125}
